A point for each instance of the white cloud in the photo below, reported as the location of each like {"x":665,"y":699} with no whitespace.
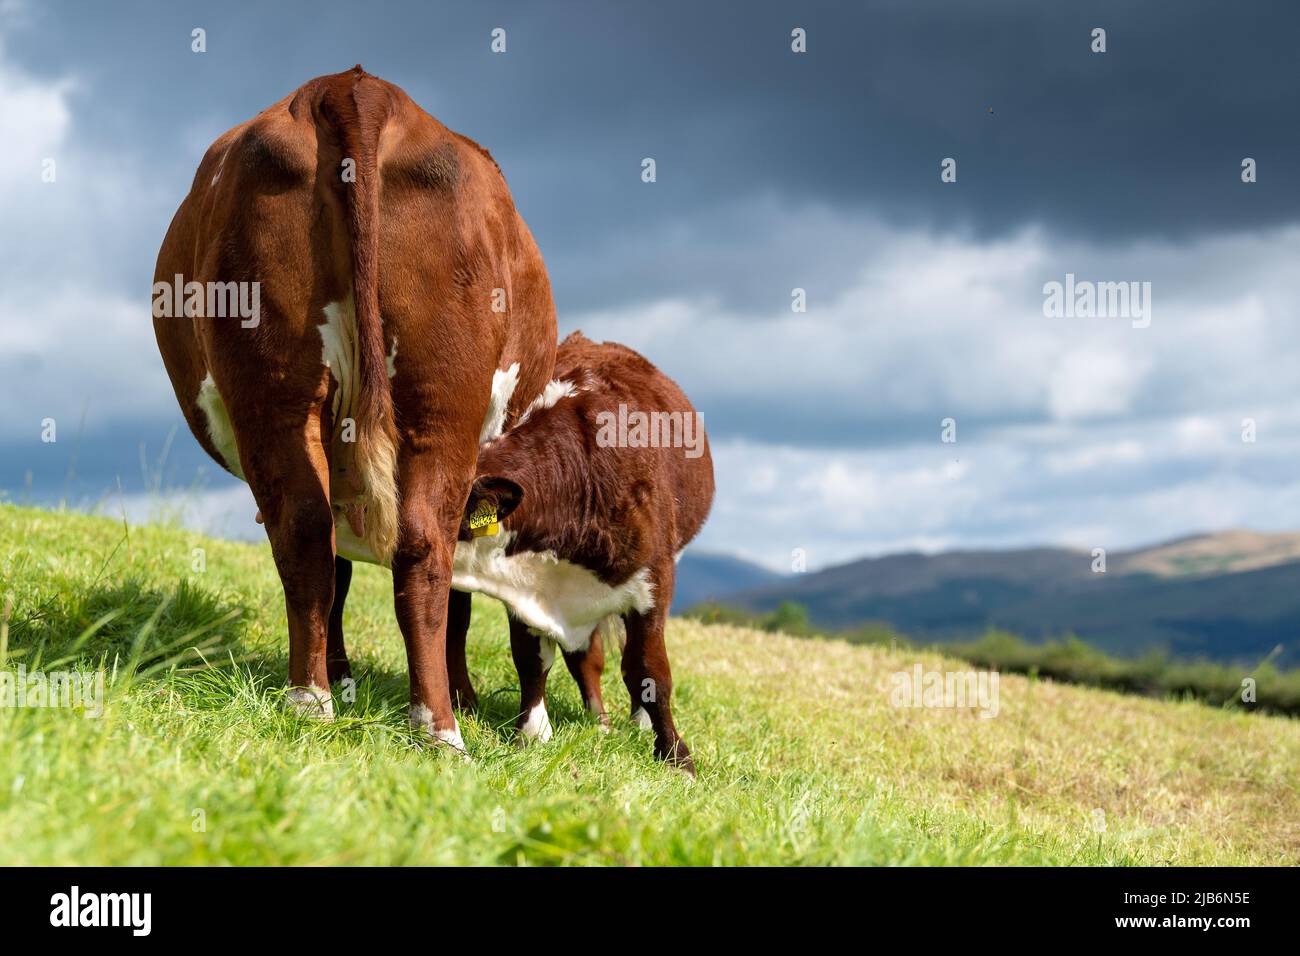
{"x":1094,"y":382}
{"x":73,"y":351}
{"x":1136,"y":433}
{"x":1090,"y":457}
{"x":948,"y":326}
{"x":35,"y":118}
{"x":69,"y":340}
{"x":1077,"y":484}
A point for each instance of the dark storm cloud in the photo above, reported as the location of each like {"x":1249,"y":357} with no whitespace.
{"x":1145,"y":139}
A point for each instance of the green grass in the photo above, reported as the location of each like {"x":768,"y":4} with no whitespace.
{"x":801,"y":757}
{"x":1155,"y":673}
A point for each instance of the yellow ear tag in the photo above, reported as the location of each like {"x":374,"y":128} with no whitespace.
{"x":483,"y":521}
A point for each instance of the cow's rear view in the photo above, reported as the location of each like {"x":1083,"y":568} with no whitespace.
{"x":403,"y":313}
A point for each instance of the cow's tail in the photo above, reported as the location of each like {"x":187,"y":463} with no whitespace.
{"x":358,"y":112}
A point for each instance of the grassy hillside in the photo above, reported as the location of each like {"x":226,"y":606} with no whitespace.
{"x":1071,"y":660}
{"x":802,"y":758}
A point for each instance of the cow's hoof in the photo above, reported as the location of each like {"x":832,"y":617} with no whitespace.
{"x":642,"y":719}
{"x":310,"y":702}
{"x":433,"y":739}
{"x":677,"y":755}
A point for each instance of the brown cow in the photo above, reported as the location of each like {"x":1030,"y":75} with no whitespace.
{"x":401,"y":314}
{"x":576,"y":518}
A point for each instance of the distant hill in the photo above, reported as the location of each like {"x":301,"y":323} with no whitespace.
{"x":1231,"y":596}
{"x":1220,"y":553}
{"x":702,"y":576}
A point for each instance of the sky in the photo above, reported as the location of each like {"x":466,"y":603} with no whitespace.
{"x":775,"y":170}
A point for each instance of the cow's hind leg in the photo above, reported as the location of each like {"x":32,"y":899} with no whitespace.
{"x":533,"y":658}
{"x":458,"y":617}
{"x":433,"y":495}
{"x":336,"y":659}
{"x":648,"y":677}
{"x":287,"y":471}
{"x":586,"y":666}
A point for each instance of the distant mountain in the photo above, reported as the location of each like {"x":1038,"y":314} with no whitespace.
{"x":1220,"y":553}
{"x":1231,"y":596}
{"x":702,"y":576}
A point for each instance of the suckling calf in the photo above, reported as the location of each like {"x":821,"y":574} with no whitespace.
{"x":575,"y":518}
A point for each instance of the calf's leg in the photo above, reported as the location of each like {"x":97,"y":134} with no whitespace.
{"x":533,"y":658}
{"x":336,"y":657}
{"x":586,"y":666}
{"x":648,"y":677}
{"x":458,"y":617}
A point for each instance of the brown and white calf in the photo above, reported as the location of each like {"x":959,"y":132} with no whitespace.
{"x":576,"y":518}
{"x":403,"y":315}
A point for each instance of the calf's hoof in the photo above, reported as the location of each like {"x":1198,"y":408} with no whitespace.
{"x":534,"y":727}
{"x":597,"y":710}
{"x":313,"y":702}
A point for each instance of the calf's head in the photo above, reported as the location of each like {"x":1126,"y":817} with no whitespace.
{"x":491,"y":500}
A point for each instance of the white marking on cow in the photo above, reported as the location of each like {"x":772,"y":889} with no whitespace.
{"x":311,"y":701}
{"x":545,"y":649}
{"x":642,"y":719}
{"x":341,"y":355}
{"x":338,"y":335}
{"x":349,"y":546}
{"x":220,"y":430}
{"x":503,"y":389}
{"x":555,"y":390}
{"x":536,"y":725}
{"x":560,"y":599}
{"x":221,"y":164}
{"x":421,"y":718}
{"x":451,"y":738}
{"x":376,"y":458}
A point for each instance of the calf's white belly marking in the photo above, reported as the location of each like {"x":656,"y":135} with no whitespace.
{"x":560,"y":599}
